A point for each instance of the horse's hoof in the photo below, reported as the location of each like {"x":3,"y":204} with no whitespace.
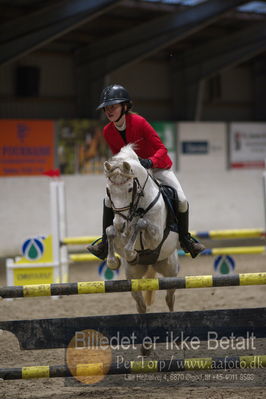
{"x":133,"y":260}
{"x":114,"y":264}
{"x":141,"y":308}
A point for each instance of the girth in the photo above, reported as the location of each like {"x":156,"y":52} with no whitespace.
{"x":150,"y":256}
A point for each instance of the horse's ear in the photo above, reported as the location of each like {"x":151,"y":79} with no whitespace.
{"x":107,"y":167}
{"x":126,"y":167}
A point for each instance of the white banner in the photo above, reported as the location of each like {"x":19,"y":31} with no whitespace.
{"x":247,"y":145}
{"x":202,"y":146}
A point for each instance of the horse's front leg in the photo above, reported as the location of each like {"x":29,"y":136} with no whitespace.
{"x":130,"y":252}
{"x":141,"y":225}
{"x":113,"y":261}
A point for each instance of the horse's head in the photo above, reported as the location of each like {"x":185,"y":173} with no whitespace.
{"x":125,"y":179}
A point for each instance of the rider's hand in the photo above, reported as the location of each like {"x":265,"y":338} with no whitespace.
{"x":146,"y":163}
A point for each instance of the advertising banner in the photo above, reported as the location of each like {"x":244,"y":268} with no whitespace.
{"x":247,"y":145}
{"x":81,"y":146}
{"x":202,"y":146}
{"x":27,"y":147}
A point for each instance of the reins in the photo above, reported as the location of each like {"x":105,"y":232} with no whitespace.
{"x":137,"y":193}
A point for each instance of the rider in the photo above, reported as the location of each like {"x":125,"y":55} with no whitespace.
{"x":126,"y":127}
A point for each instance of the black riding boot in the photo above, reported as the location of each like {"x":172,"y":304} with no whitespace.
{"x":99,"y":248}
{"x":188,"y":243}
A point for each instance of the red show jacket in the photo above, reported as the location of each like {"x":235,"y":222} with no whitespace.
{"x":141,"y":133}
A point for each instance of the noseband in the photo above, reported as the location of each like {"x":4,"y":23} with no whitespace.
{"x":137,"y":193}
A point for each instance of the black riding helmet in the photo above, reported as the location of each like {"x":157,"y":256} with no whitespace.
{"x":114,"y":94}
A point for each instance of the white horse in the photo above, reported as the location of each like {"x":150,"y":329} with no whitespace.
{"x":139,"y":233}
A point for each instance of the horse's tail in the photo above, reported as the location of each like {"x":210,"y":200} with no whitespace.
{"x":149,"y":295}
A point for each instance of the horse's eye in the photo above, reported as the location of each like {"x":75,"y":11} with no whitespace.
{"x":130,"y":190}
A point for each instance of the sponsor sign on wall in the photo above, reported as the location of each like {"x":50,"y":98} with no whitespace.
{"x":27,"y":147}
{"x":202,"y":145}
{"x":195,"y":147}
{"x":247,"y":145}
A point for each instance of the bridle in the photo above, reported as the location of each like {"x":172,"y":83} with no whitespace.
{"x":144,"y":256}
{"x":133,"y":207}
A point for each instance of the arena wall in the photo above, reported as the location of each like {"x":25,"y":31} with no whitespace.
{"x":219,"y":199}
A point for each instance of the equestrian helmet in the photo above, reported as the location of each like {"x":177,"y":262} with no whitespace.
{"x":114,"y":94}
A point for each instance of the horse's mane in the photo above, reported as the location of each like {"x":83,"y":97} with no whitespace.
{"x":126,"y":153}
{"x":118,"y":169}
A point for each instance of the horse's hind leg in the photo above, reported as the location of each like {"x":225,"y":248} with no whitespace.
{"x":170,"y":299}
{"x":169,"y":268}
{"x":137,"y":271}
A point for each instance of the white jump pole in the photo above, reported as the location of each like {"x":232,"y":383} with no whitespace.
{"x":54,"y":207}
{"x":63,"y":232}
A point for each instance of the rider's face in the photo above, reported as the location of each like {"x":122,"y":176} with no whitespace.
{"x":113,"y":112}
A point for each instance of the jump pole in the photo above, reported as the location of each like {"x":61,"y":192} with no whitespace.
{"x":58,"y":224}
{"x":134,"y":367}
{"x":207,"y":235}
{"x":63,"y":231}
{"x":54,"y":204}
{"x":104,"y":287}
{"x":207,"y":252}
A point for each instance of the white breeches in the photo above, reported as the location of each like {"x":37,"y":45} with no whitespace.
{"x":167,"y":176}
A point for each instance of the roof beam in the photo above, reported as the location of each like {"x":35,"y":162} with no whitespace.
{"x":142,"y":41}
{"x":224,"y":53}
{"x":26,"y":34}
{"x":153,"y":6}
{"x":192,"y":67}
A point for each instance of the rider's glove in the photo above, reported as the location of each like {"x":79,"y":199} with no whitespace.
{"x":146,"y":163}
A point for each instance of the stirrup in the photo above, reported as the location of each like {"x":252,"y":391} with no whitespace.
{"x":98,"y":248}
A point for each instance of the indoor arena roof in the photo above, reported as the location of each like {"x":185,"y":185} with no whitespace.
{"x":81,"y":28}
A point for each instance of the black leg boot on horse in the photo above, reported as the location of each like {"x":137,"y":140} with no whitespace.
{"x":99,"y":247}
{"x":187,"y":242}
